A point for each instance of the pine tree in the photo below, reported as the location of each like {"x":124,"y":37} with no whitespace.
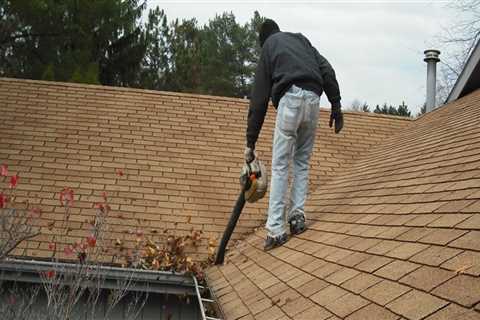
{"x":403,"y":110}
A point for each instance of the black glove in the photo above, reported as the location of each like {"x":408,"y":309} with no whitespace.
{"x":249,"y":154}
{"x":337,"y":117}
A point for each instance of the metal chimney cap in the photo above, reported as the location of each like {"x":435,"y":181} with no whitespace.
{"x":431,"y":55}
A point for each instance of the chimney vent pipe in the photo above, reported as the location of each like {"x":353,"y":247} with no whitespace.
{"x":431,"y":58}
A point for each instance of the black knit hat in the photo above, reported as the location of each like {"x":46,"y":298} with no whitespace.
{"x":267,"y":28}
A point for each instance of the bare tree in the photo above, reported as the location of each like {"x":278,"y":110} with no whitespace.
{"x":458,"y":40}
{"x":68,"y":286}
{"x":356,"y":106}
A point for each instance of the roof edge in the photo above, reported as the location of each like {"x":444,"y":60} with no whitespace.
{"x":465,"y":75}
{"x":12,"y":269}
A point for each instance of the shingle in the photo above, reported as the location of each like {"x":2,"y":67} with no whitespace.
{"x":373,"y":312}
{"x":406,"y":250}
{"x":442,"y":236}
{"x":474,"y":207}
{"x":354,"y":259}
{"x":234,"y":309}
{"x":449,"y":220}
{"x":384,"y":247}
{"x":396,"y":269}
{"x":314,"y":313}
{"x":361,"y":282}
{"x":312,"y":287}
{"x":326,"y":270}
{"x":416,"y":305}
{"x":276,"y":289}
{"x":454,"y":312}
{"x":467,"y":262}
{"x":435,"y":255}
{"x":462,"y":289}
{"x":297,"y":306}
{"x":259,"y":305}
{"x":471,"y":223}
{"x":455,"y":206}
{"x":272,"y":313}
{"x":342,"y":275}
{"x":426,"y":278}
{"x":327,"y":295}
{"x":384,"y":292}
{"x":373,"y":263}
{"x":414,"y":234}
{"x":346,"y":305}
{"x":470,"y":240}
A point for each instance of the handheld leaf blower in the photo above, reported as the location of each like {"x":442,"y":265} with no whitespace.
{"x":253,"y":187}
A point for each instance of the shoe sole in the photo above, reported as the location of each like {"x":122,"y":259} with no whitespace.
{"x":294,"y":233}
{"x":275,"y":246}
{"x":298,"y":232}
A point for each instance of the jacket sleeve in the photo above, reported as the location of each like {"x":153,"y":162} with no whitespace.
{"x":330,"y":84}
{"x":261,"y":91}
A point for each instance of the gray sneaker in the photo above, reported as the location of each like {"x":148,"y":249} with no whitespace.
{"x":297,"y":224}
{"x":273,"y":242}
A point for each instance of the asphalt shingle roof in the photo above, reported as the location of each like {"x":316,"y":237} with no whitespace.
{"x":395,"y":235}
{"x":181,"y":155}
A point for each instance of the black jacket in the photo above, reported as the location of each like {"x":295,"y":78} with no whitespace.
{"x":287,"y":59}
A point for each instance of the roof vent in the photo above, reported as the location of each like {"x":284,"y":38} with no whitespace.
{"x":431,"y":58}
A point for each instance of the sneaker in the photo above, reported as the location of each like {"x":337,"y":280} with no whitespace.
{"x":297,"y":224}
{"x":273,"y":242}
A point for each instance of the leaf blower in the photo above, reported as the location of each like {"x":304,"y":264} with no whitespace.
{"x":253,"y":187}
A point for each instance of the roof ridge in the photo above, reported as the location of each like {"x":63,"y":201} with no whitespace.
{"x":179,"y":94}
{"x":125,"y":89}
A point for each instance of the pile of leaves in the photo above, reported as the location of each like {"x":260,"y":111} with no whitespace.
{"x":170,"y":255}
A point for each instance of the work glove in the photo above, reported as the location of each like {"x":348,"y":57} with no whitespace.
{"x":249,"y":154}
{"x":336,"y":116}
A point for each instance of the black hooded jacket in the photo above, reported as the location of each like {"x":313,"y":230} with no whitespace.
{"x":287,"y":59}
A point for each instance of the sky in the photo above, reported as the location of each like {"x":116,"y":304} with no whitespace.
{"x":375,"y":47}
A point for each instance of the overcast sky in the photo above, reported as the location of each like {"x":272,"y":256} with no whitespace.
{"x":376,"y":47}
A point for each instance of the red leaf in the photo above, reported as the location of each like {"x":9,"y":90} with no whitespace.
{"x":3,"y":170}
{"x":3,"y":200}
{"x":100,"y":206}
{"x":35,"y":212}
{"x":68,"y":250}
{"x":50,"y":274}
{"x":51,"y":246}
{"x":66,"y":197}
{"x":119,"y":172}
{"x":91,"y":240}
{"x":14,"y":181}
{"x":104,"y":195}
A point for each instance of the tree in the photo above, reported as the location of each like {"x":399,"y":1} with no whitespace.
{"x":73,"y":40}
{"x":155,"y":64}
{"x":65,"y":285}
{"x":106,"y":42}
{"x":458,"y":40}
{"x":365,"y":107}
{"x":423,"y":110}
{"x":401,"y":110}
{"x":355,"y":105}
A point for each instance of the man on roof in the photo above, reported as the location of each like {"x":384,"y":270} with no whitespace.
{"x":294,"y":75}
